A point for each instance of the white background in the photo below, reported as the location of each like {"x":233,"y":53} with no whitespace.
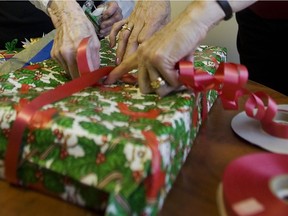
{"x":224,"y":34}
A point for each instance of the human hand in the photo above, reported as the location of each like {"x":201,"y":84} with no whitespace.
{"x":157,"y":57}
{"x":146,"y":18}
{"x":72,"y":26}
{"x":111,"y":15}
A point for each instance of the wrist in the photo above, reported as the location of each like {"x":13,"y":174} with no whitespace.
{"x":225,"y":6}
{"x":60,"y":10}
{"x":205,"y":14}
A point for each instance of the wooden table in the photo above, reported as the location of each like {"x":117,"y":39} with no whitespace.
{"x":194,"y":192}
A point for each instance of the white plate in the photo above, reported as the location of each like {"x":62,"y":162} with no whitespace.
{"x":250,"y":130}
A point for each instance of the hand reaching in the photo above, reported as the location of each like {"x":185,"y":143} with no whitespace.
{"x":157,"y":57}
{"x":72,"y":26}
{"x":146,"y":18}
{"x":111,"y":15}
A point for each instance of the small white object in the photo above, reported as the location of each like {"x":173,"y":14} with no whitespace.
{"x":99,"y":11}
{"x":251,"y":130}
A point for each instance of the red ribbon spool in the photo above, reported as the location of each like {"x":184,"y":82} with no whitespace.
{"x":257,"y":190}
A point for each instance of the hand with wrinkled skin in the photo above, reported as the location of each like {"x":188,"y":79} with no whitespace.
{"x":146,"y":18}
{"x":111,"y":15}
{"x":72,"y":26}
{"x":178,"y":40}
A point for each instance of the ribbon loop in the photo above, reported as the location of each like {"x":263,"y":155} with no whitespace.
{"x":229,"y":81}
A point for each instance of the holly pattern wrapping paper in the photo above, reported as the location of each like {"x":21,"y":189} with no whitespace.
{"x":108,"y":148}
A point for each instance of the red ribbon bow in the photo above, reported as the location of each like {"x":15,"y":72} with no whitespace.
{"x":229,"y":81}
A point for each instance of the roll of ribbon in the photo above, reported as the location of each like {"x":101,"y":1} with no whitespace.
{"x":256,"y":184}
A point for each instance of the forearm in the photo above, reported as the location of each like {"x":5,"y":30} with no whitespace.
{"x":210,"y":13}
{"x":45,"y":4}
{"x":68,"y":11}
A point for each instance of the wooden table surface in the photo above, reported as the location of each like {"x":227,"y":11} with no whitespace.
{"x":195,"y":189}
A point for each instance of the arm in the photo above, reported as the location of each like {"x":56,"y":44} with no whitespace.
{"x":72,"y":26}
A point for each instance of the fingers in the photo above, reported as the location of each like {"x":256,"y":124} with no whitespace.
{"x":72,"y":67}
{"x":128,"y":41}
{"x":126,"y":66}
{"x":144,"y":80}
{"x":67,"y":60}
{"x":57,"y":56}
{"x":110,"y":16}
{"x":114,"y":32}
{"x":123,"y":45}
{"x":150,"y":80}
{"x":146,"y":18}
{"x":112,"y":9}
{"x":158,"y":83}
{"x":93,"y":55}
{"x":65,"y":49}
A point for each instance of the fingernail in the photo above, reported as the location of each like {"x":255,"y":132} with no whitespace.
{"x":118,"y":61}
{"x":106,"y":81}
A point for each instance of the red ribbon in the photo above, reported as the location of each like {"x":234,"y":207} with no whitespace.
{"x":157,"y":178}
{"x":229,"y":81}
{"x":25,"y":115}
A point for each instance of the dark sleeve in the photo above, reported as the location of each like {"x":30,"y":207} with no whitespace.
{"x":21,"y":19}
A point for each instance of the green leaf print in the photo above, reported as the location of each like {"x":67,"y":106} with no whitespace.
{"x":27,"y":173}
{"x":138,"y":199}
{"x":87,"y":112}
{"x":93,"y":197}
{"x":88,"y":145}
{"x":43,"y":138}
{"x":65,"y":122}
{"x":116,"y":117}
{"x":90,"y":127}
{"x":104,"y":156}
{"x":53,"y":182}
{"x":3,"y":144}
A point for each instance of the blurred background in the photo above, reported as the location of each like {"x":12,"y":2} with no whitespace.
{"x":224,"y":34}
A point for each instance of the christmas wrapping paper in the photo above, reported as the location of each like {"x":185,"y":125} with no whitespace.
{"x":108,"y":148}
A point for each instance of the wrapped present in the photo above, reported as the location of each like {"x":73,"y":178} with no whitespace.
{"x":108,"y":148}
